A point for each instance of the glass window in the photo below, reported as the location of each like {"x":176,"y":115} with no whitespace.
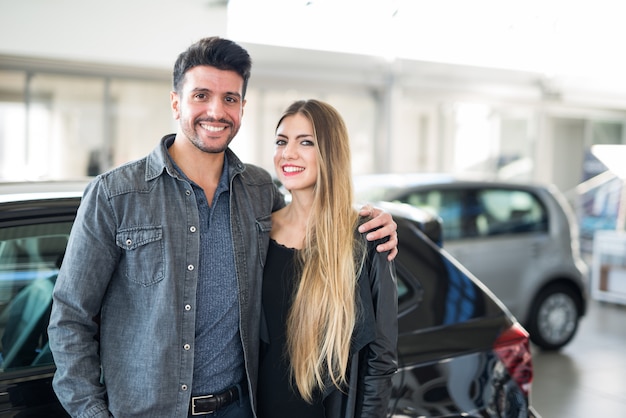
{"x":407,"y":292}
{"x":605,"y":132}
{"x":471,"y":213}
{"x":445,"y":203}
{"x":30,"y":258}
{"x":511,"y":212}
{"x":65,"y":126}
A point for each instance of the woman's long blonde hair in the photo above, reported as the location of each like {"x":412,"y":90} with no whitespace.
{"x":323,"y":312}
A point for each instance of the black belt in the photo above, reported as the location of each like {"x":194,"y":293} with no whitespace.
{"x":209,"y":404}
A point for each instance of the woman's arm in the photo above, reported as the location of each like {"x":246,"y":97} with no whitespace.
{"x":381,"y":357}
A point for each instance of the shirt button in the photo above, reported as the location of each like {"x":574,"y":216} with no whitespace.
{"x":188,"y":192}
{"x":192,"y":229}
{"x":183,"y":387}
{"x":129,"y":242}
{"x":186,"y":347}
{"x":187,"y":307}
{"x":190,"y":267}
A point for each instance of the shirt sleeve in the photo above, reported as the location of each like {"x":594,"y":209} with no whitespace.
{"x":89,"y":262}
{"x":381,"y":358}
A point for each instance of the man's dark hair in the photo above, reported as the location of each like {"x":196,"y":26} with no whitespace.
{"x":217,"y":52}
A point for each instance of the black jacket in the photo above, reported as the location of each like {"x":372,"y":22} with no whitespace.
{"x":374,"y":344}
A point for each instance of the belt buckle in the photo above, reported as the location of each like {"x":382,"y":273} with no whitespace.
{"x":193,"y":404}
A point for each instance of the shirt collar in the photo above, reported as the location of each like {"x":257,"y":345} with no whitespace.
{"x":160,"y":161}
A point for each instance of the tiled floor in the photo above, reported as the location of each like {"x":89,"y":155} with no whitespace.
{"x":587,"y":378}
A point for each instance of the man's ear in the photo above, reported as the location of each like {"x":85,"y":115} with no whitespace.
{"x":175,"y":104}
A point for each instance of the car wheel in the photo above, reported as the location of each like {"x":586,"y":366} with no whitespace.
{"x":554,"y":317}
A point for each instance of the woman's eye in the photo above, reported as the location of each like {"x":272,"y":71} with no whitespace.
{"x":280,"y":142}
{"x":307,"y":143}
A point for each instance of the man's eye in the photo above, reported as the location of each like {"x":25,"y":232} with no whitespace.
{"x":200,"y":96}
{"x":231,"y":99}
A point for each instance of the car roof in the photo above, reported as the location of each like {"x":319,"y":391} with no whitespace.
{"x":378,"y":185}
{"x":41,"y":190}
{"x":412,"y":179}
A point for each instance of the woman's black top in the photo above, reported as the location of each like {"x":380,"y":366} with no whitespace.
{"x":277,"y":394}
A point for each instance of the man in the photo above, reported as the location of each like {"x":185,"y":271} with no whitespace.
{"x":156,"y":308}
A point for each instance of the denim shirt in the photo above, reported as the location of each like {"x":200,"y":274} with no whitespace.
{"x":123,"y":320}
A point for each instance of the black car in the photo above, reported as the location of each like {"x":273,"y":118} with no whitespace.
{"x":461,"y":353}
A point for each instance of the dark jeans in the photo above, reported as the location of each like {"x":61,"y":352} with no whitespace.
{"x":239,"y":409}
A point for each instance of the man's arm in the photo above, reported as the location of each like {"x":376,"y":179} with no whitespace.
{"x":380,"y":226}
{"x":78,"y":291}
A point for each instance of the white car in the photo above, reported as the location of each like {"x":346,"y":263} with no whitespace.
{"x":521,"y":240}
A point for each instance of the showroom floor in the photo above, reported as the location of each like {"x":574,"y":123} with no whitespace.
{"x":587,"y":378}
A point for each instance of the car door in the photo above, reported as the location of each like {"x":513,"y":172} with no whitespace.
{"x":33,"y":237}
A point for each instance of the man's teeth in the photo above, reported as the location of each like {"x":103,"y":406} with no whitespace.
{"x":292,"y":169}
{"x":213,"y":128}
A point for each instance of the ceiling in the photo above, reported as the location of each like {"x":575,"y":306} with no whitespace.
{"x":562,"y":48}
{"x":557,"y":49}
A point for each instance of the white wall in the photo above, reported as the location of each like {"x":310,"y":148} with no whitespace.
{"x":130,"y":32}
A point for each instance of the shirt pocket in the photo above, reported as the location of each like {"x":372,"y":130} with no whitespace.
{"x":143,"y":259}
{"x":263,"y":226}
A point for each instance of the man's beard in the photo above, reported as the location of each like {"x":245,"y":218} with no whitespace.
{"x":210,"y":146}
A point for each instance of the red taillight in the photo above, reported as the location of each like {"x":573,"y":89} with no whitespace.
{"x":513,"y":348}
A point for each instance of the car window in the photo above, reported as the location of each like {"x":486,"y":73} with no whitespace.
{"x":432,"y":290}
{"x":407,"y":294}
{"x":511,"y":212}
{"x":448,"y":204}
{"x":470,"y":213}
{"x":30,"y":257}
{"x":461,"y":294}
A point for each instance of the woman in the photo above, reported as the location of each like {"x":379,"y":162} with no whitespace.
{"x":329,"y":328}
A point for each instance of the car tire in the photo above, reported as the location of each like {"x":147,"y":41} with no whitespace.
{"x":554,"y":317}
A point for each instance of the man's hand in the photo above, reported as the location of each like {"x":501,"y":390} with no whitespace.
{"x":386,"y":228}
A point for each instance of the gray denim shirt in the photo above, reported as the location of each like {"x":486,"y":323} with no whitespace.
{"x":123,"y":318}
